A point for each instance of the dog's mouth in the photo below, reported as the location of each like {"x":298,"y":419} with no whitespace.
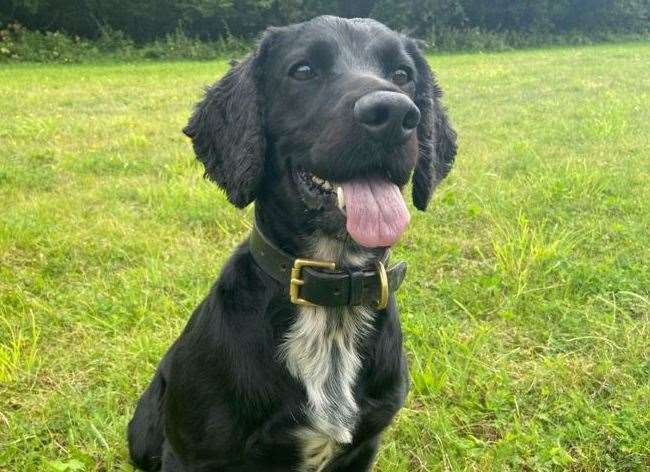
{"x":317,"y":192}
{"x":373,"y":207}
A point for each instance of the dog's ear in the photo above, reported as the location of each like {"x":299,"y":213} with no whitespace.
{"x":437,"y":138}
{"x":227,"y":130}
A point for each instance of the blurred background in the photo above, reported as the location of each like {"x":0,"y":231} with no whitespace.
{"x":71,"y":30}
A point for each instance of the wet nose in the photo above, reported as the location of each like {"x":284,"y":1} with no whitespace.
{"x":389,"y":117}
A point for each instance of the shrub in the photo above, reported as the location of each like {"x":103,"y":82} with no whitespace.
{"x":178,"y":45}
{"x":476,"y":39}
{"x":18,"y":44}
{"x":469,"y":39}
{"x":150,"y":20}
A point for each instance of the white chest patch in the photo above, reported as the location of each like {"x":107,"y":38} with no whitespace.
{"x":321,"y":350}
{"x":318,"y":450}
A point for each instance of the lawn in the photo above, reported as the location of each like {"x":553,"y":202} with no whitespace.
{"x":526,"y":309}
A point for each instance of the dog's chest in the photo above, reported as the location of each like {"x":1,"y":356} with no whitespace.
{"x":321,"y":351}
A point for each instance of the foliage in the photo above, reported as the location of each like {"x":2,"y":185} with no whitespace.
{"x":525,"y":311}
{"x":147,"y":20}
{"x":17,"y":44}
{"x":475,"y":39}
{"x":60,"y":30}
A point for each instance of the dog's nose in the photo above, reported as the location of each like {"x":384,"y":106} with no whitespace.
{"x":390,"y":117}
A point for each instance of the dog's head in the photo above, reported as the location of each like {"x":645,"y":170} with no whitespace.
{"x":326,"y":122}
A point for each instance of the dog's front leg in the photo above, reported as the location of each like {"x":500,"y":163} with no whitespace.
{"x":376,"y":416}
{"x":273,"y":446}
{"x":357,"y":459}
{"x":170,"y":463}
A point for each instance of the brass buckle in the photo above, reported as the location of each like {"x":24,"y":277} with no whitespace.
{"x":296,"y":281}
{"x":383,"y":278}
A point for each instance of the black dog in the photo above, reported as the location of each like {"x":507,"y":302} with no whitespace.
{"x":322,"y":126}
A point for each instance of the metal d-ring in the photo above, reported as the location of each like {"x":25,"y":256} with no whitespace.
{"x":383,"y":293}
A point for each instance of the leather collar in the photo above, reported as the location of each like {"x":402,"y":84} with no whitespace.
{"x":311,"y":284}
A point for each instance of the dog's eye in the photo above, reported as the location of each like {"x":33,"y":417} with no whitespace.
{"x":302,"y":71}
{"x":401,"y":77}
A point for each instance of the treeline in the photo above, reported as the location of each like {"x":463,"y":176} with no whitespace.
{"x":148,"y":20}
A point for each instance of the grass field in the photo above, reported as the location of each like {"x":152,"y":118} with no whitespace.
{"x":526,"y":310}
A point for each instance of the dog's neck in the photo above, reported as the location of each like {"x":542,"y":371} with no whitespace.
{"x":314,"y":244}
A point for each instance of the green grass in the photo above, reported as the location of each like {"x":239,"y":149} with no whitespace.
{"x":526,"y":309}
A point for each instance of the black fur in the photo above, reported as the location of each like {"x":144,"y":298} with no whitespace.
{"x":227,"y":131}
{"x":436,"y":137}
{"x":222,"y":398}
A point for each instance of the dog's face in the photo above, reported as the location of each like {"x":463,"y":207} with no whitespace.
{"x":326,"y":122}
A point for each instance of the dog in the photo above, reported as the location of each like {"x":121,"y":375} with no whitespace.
{"x":294,"y":360}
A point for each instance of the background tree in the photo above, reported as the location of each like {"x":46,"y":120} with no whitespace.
{"x":358,"y":9}
{"x":145,"y":20}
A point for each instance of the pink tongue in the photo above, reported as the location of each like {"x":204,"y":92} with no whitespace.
{"x":376,"y":212}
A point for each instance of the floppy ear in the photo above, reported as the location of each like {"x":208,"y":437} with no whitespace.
{"x":436,"y":136}
{"x":227,"y":131}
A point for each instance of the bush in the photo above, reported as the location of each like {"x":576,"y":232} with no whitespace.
{"x":469,"y":39}
{"x":150,"y":20}
{"x":178,"y":45}
{"x":475,"y":39}
{"x":17,"y":44}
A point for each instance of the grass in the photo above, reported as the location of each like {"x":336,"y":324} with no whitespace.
{"x":526,"y":308}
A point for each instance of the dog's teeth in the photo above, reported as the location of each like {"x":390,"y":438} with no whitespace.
{"x":340,"y":198}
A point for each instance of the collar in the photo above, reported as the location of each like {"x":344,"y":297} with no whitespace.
{"x":318,"y":283}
